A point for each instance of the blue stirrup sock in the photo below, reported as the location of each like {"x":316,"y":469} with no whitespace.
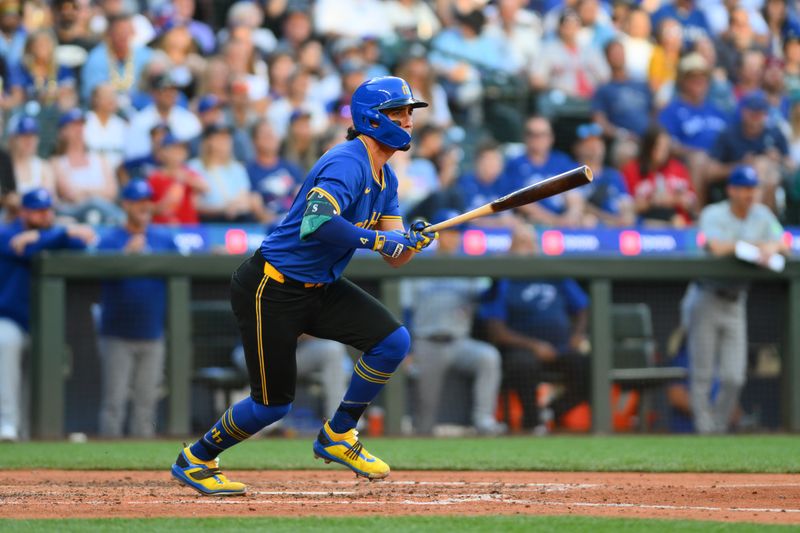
{"x":238,"y":423}
{"x":370,"y":374}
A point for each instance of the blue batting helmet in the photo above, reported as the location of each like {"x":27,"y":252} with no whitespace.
{"x":380,"y":94}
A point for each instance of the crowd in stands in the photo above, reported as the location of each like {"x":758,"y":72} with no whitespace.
{"x":223,"y":106}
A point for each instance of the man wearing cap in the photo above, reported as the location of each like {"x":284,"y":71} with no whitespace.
{"x":442,"y":310}
{"x":714,"y":311}
{"x":32,"y":232}
{"x":749,"y":140}
{"x":131,"y":325}
{"x":607,"y":198}
{"x":164,"y":110}
{"x":30,"y":170}
{"x":175,"y":185}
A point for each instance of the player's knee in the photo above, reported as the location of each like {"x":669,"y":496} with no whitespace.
{"x":394,"y":346}
{"x":267,"y":414}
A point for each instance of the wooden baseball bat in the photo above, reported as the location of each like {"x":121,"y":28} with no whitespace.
{"x":532,"y":193}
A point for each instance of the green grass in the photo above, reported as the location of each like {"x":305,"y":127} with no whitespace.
{"x":751,"y":453}
{"x":384,"y":524}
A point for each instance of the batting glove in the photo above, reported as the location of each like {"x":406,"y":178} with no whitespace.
{"x":392,"y":243}
{"x":419,"y":239}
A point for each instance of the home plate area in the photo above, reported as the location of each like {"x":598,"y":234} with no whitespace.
{"x":762,"y":498}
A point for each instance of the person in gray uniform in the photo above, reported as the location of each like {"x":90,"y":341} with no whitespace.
{"x":714,"y":311}
{"x":442,"y":312}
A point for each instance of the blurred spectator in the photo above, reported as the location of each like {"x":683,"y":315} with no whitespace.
{"x":71,"y":23}
{"x":751,"y":141}
{"x":215,"y":79}
{"x":465,"y":56}
{"x":353,"y":75}
{"x":720,"y":88}
{"x":184,"y":63}
{"x":781,"y":21}
{"x":512,"y":22}
{"x":30,"y":171}
{"x":660,"y":184}
{"x":300,"y":145}
{"x":246,"y":66}
{"x":638,"y":44}
{"x":209,"y":111}
{"x":240,"y":116}
{"x":31,"y":233}
{"x":280,"y":68}
{"x":39,"y":76}
{"x":274,"y":178}
{"x":245,"y":17}
{"x":775,"y":91}
{"x":540,"y":162}
{"x":539,"y":326}
{"x":228,"y":197}
{"x":685,"y":12}
{"x":735,"y":41}
{"x":663,"y":67}
{"x":442,"y":311}
{"x":12,"y":32}
{"x":296,"y":29}
{"x":351,"y":18}
{"x":623,"y":107}
{"x":143,"y":31}
{"x":412,"y":20}
{"x":164,"y":110}
{"x":607,"y":198}
{"x":447,"y":194}
{"x":793,"y":140}
{"x":596,"y":27}
{"x":791,"y":64}
{"x":416,"y":70}
{"x":718,"y":15}
{"x":105,"y":133}
{"x":567,"y":66}
{"x":715,"y":311}
{"x":750,"y":72}
{"x":87,"y":189}
{"x":299,"y":100}
{"x":692,"y":121}
{"x":131,"y":326}
{"x":117,"y":61}
{"x":182,"y":14}
{"x":175,"y":185}
{"x":142,"y":167}
{"x":325,"y":82}
{"x":486,"y":184}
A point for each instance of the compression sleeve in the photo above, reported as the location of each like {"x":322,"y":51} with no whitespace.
{"x":337,"y":231}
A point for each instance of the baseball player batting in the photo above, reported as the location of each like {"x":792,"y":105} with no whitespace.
{"x":293,"y":285}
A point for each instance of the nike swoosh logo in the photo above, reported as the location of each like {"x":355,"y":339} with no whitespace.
{"x":366,"y":191}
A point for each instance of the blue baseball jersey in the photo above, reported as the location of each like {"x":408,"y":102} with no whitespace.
{"x":694,"y":126}
{"x":477,"y":193}
{"x":135,"y":308}
{"x":521,"y":172}
{"x":361,"y":196}
{"x":539,"y":308}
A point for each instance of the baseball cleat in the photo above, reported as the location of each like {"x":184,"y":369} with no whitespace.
{"x":347,"y":450}
{"x":204,"y":476}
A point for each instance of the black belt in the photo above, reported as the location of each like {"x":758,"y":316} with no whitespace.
{"x":440,"y":337}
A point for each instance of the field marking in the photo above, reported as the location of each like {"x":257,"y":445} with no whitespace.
{"x":305,"y":492}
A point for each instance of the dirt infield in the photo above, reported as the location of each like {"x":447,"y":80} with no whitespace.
{"x":763,"y":498}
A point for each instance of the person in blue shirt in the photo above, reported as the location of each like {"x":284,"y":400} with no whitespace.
{"x":694,"y":22}
{"x":131,"y":325}
{"x":486,"y":184}
{"x":272,"y":177}
{"x":293,"y":284}
{"x":539,"y":326}
{"x":540,"y":162}
{"x":29,"y":234}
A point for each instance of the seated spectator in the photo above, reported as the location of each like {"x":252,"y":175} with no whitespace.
{"x":275,"y":179}
{"x":720,"y":88}
{"x":417,"y":71}
{"x":301,"y":146}
{"x":351,"y":18}
{"x":117,"y":61}
{"x":143,"y":30}
{"x":781,"y":21}
{"x":566,"y":66}
{"x":749,"y":73}
{"x":175,"y":185}
{"x":538,"y":325}
{"x":638,"y":45}
{"x":87,"y":189}
{"x":248,"y":17}
{"x":688,"y":15}
{"x":12,"y":32}
{"x":245,"y":65}
{"x":184,"y":63}
{"x":749,"y":140}
{"x":240,"y":115}
{"x":540,"y":162}
{"x":486,"y":184}
{"x":31,"y":233}
{"x":39,"y":77}
{"x":30,"y":171}
{"x":607,"y":198}
{"x":413,"y":20}
{"x":131,"y":326}
{"x":299,"y":99}
{"x":71,"y":23}
{"x":9,"y":199}
{"x":735,"y":41}
{"x":791,"y":64}
{"x":597,"y":28}
{"x":623,"y":107}
{"x":663,"y":67}
{"x":660,"y":184}
{"x":142,"y":167}
{"x":182,"y":123}
{"x":209,"y":111}
{"x":692,"y":121}
{"x":105,"y":132}
{"x":442,"y":310}
{"x":775,"y":91}
{"x":228,"y":197}
{"x":182,"y":14}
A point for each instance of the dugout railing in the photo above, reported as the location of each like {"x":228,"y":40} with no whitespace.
{"x":52,"y":272}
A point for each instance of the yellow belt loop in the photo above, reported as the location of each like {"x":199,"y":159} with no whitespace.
{"x":273,"y":272}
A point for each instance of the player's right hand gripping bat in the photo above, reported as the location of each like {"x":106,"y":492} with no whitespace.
{"x":532,"y":193}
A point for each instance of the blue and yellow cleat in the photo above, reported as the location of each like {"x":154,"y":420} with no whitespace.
{"x":347,"y":450}
{"x":204,"y":476}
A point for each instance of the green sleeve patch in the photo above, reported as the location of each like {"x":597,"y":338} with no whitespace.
{"x":319,"y":210}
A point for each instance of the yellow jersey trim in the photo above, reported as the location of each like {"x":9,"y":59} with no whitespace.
{"x":378,"y":179}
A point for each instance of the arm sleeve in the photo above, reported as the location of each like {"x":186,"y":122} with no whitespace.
{"x":48,"y":239}
{"x":337,"y":231}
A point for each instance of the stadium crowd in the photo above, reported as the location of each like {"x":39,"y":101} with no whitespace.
{"x":222,"y":106}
